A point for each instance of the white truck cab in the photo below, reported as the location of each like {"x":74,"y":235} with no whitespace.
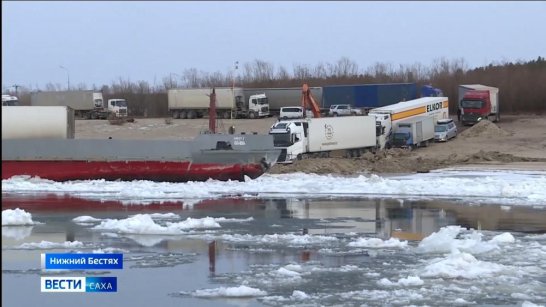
{"x":9,"y":100}
{"x":118,"y":106}
{"x":289,"y":135}
{"x":383,"y":129}
{"x":258,"y":104}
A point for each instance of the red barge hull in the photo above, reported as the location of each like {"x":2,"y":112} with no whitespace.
{"x":219,"y":157}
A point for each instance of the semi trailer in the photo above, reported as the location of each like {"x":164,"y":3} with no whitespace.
{"x":230,"y":103}
{"x":86,"y":104}
{"x":300,"y":138}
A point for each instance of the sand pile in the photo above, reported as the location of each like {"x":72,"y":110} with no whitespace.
{"x":484,"y":128}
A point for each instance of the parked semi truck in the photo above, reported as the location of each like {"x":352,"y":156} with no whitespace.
{"x":368,"y":96}
{"x":389,"y":116}
{"x":319,"y":136}
{"x":230,"y":103}
{"x":51,"y":122}
{"x":283,"y":97}
{"x":414,"y":132}
{"x":86,"y":104}
{"x":477,"y":102}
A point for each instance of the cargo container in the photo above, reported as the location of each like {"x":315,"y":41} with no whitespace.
{"x":230,"y":103}
{"x":283,"y":97}
{"x":477,"y":102}
{"x":30,"y":122}
{"x":319,"y":136}
{"x":368,"y":96}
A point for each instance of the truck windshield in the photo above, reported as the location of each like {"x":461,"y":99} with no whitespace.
{"x":281,"y":139}
{"x":440,"y":129}
{"x":120,"y":103}
{"x":262,"y":100}
{"x":401,"y":136}
{"x":472,"y":104}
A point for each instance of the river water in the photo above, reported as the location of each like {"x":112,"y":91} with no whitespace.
{"x":280,"y":251}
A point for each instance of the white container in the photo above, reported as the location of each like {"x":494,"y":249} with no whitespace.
{"x":334,"y":133}
{"x":28,"y":122}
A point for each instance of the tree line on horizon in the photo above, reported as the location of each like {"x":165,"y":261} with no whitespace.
{"x":521,"y":84}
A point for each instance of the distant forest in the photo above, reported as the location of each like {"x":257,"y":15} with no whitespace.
{"x":522,"y":85}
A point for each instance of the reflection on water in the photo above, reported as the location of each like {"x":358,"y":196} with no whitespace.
{"x":404,"y":219}
{"x":207,"y":258}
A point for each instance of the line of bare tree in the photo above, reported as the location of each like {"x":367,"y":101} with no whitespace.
{"x":522,"y":84}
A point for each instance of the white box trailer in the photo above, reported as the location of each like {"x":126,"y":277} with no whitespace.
{"x":437,"y":107}
{"x":26,"y":122}
{"x":230,"y":102}
{"x":334,"y":133}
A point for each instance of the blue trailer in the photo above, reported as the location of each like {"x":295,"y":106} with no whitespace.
{"x":368,"y":96}
{"x":430,"y":91}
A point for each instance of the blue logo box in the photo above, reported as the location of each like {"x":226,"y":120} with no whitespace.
{"x":78,"y":284}
{"x":82,"y":261}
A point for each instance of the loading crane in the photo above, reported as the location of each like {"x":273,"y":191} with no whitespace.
{"x":308,"y":101}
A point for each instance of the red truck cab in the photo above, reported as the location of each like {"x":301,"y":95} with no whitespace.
{"x":477,"y":105}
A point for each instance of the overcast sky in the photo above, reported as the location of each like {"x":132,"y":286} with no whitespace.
{"x":100,"y":42}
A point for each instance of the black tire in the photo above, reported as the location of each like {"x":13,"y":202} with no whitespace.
{"x":252,"y":115}
{"x":176,"y":114}
{"x":183,"y":115}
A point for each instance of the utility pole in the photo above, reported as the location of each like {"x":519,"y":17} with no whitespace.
{"x":236,"y":66}
{"x":16,"y":86}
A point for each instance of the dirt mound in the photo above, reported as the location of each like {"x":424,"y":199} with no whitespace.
{"x":484,"y":128}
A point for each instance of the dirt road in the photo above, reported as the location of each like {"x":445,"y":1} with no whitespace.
{"x":516,"y":141}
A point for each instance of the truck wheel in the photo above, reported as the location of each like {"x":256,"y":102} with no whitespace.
{"x":335,"y":114}
{"x":191,"y":114}
{"x":299,"y":157}
{"x":497,"y":117}
{"x":183,"y":114}
{"x":176,"y":114}
{"x":226,"y":115}
{"x":252,"y":115}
